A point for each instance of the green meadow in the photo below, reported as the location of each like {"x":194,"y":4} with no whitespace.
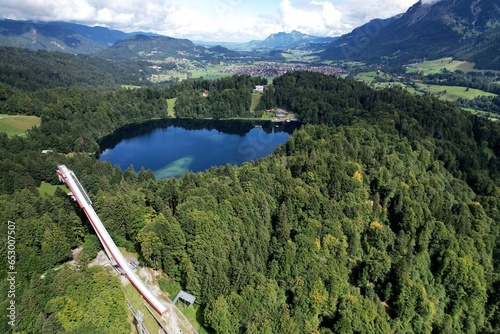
{"x":170,"y":107}
{"x":255,"y":100}
{"x":435,"y":66}
{"x":50,"y":189}
{"x":16,"y":125}
{"x":452,"y":93}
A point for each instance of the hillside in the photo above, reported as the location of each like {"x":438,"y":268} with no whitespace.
{"x":427,"y":31}
{"x":143,"y":47}
{"x":28,"y":70}
{"x":57,"y":36}
{"x":380,"y":215}
{"x":152,"y":47}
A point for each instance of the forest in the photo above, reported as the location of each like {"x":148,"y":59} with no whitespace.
{"x":226,"y":98}
{"x":380,"y":215}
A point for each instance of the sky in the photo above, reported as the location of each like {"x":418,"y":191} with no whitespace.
{"x":217,"y":20}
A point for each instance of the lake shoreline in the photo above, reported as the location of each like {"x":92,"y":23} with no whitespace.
{"x":171,"y":147}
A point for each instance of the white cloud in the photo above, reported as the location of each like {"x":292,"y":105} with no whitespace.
{"x":358,"y":12}
{"x":314,"y":18}
{"x":218,"y":20}
{"x":429,"y":2}
{"x":325,"y":18}
{"x":109,"y":16}
{"x":48,"y":10}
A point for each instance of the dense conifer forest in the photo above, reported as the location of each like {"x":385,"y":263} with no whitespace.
{"x":380,"y":215}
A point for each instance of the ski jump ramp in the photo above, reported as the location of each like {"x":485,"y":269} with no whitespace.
{"x":80,"y":196}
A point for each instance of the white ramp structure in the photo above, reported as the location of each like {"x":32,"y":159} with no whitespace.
{"x":80,"y":196}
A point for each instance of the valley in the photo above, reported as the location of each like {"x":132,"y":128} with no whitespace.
{"x":415,"y":78}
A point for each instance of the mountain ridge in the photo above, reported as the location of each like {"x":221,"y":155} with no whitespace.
{"x":58,"y":36}
{"x":441,"y":29}
{"x":152,"y":47}
{"x":284,"y":40}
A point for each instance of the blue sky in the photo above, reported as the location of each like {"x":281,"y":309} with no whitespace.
{"x":217,"y":20}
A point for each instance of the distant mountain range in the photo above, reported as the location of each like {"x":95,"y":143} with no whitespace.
{"x":82,"y":39}
{"x":108,"y":43}
{"x":152,"y":48}
{"x":463,"y":29}
{"x":142,"y":47}
{"x":278,"y":41}
{"x":283,"y":40}
{"x":58,"y":36}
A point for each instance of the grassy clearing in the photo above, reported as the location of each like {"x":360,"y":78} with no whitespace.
{"x":298,"y":55}
{"x":367,"y":77}
{"x":413,"y":91}
{"x":435,"y":66}
{"x":255,"y":101}
{"x":267,"y":116}
{"x":209,"y":73}
{"x":491,"y":116}
{"x":379,"y":79}
{"x":50,"y":189}
{"x":193,"y":314}
{"x":489,"y":152}
{"x":392,"y":84}
{"x":137,"y":302}
{"x":170,"y":287}
{"x":452,"y":93}
{"x":269,"y":79}
{"x":170,"y":107}
{"x":193,"y":70}
{"x":16,"y":125}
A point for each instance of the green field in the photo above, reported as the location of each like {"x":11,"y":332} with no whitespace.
{"x":435,"y":66}
{"x":192,"y":313}
{"x":192,"y":70}
{"x":452,"y":93}
{"x":209,"y":73}
{"x":16,"y":125}
{"x":413,"y":91}
{"x":137,"y":302}
{"x":383,"y":80}
{"x":491,"y":116}
{"x":49,"y":189}
{"x":170,"y":107}
{"x":489,"y":152}
{"x":367,"y":77}
{"x":172,"y":288}
{"x":298,"y":55}
{"x":267,"y":116}
{"x":255,"y":100}
{"x":388,"y":84}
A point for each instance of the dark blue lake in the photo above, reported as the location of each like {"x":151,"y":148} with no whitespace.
{"x":172,"y":147}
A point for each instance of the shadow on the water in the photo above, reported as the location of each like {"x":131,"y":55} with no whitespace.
{"x":236,"y":127}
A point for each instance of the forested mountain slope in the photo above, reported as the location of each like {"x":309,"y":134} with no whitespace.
{"x":381,"y":215}
{"x":428,"y":30}
{"x":57,"y":36}
{"x":29,"y":71}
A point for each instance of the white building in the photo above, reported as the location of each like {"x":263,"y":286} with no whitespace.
{"x":259,"y":89}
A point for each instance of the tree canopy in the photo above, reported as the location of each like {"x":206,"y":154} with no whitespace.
{"x":381,"y":214}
